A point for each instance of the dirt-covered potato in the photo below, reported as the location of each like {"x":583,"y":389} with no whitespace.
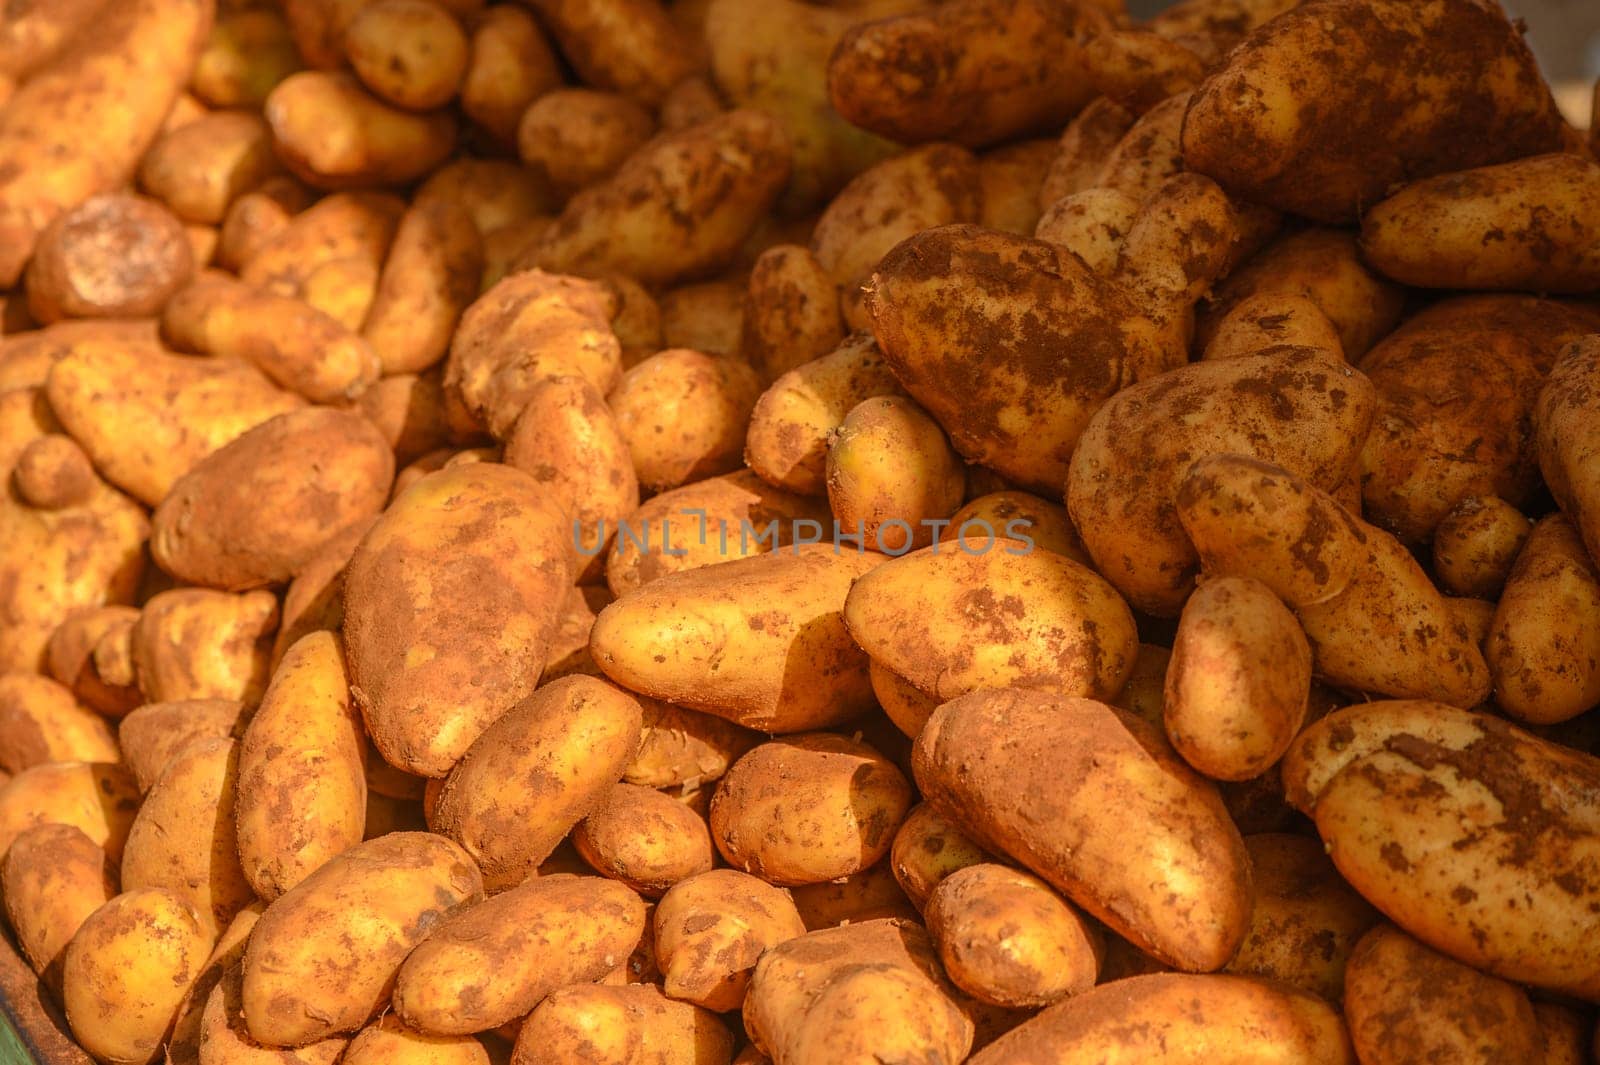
{"x":111,"y":256}
{"x":891,"y":475}
{"x":152,"y":735}
{"x":91,"y":652}
{"x":495,"y":961}
{"x":571,"y":739}
{"x":98,"y":798}
{"x":684,"y":748}
{"x":222,"y":1036}
{"x":430,"y":277}
{"x":809,"y":808}
{"x":1564,"y":419}
{"x":52,"y":878}
{"x":1476,"y":544}
{"x":629,"y":46}
{"x":352,"y":225}
{"x":331,"y":133}
{"x":485,"y":610}
{"x":1408,"y":1003}
{"x":791,"y":311}
{"x":1272,"y":320}
{"x":711,"y":929}
{"x":199,"y":169}
{"x":194,"y":643}
{"x":1564,"y":1033}
{"x":869,"y":895}
{"x":635,"y":1022}
{"x":410,"y":53}
{"x":1148,"y":154}
{"x":126,"y":973}
{"x":1082,"y":149}
{"x":510,"y":64}
{"x":644,"y":838}
{"x":574,"y":137}
{"x":683,"y":415}
{"x":41,"y":722}
{"x":390,"y":1042}
{"x":1137,"y":838}
{"x":927,"y":849}
{"x":323,"y":957}
{"x":760,"y":641}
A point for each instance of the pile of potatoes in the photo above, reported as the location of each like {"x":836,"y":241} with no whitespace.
{"x":627,"y":532}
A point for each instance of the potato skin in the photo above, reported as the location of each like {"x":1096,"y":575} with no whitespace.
{"x":809,"y":808}
{"x":683,"y":415}
{"x":52,"y":878}
{"x":345,"y":225}
{"x":411,"y":53}
{"x":630,"y":46}
{"x":112,"y":256}
{"x":679,"y":746}
{"x":194,"y":643}
{"x":1137,"y":838}
{"x":224,"y":1038}
{"x":928,"y":848}
{"x":1407,"y":1003}
{"x":712,"y":928}
{"x":91,"y":653}
{"x":510,"y":64}
{"x":495,"y":961}
{"x":323,"y":957}
{"x":41,"y":722}
{"x":1179,"y":1019}
{"x":333,"y":134}
{"x":430,"y":277}
{"x":564,"y":746}
{"x":155,"y":733}
{"x":1476,"y":545}
{"x":200,"y":168}
{"x":791,"y":313}
{"x":1563,"y":419}
{"x":388,"y":1042}
{"x":890,"y":472}
{"x":635,"y":1023}
{"x":575,"y":137}
{"x":644,"y":838}
{"x":99,"y":798}
{"x":487,"y":609}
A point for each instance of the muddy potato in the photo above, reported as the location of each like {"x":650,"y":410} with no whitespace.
{"x":194,"y":643}
{"x":679,"y":207}
{"x":111,"y":256}
{"x":628,"y":46}
{"x":126,"y":973}
{"x":323,"y":957}
{"x":905,"y":705}
{"x":1179,"y":1019}
{"x":928,"y":848}
{"x":1563,"y":1033}
{"x":1025,"y":517}
{"x":408,"y":410}
{"x":354,"y":225}
{"x":791,"y":312}
{"x":332,"y":134}
{"x":725,"y":631}
{"x":246,"y":54}
{"x":683,"y":415}
{"x":222,"y":1037}
{"x":644,"y":838}
{"x":1082,"y":149}
{"x":1239,"y":679}
{"x":52,"y":878}
{"x":891,"y":475}
{"x":1408,"y":1003}
{"x":631,"y":1023}
{"x":1270,"y":321}
{"x":509,"y":65}
{"x":98,"y":798}
{"x":1091,"y":224}
{"x":410,"y":53}
{"x":440,"y":646}
{"x":200,"y":169}
{"x":1476,"y":544}
{"x":36,"y":33}
{"x":1543,"y":646}
{"x":389,"y":1042}
{"x":1532,"y":224}
{"x":1563,"y":421}
{"x":574,"y":137}
{"x":1148,"y":154}
{"x":1042,"y":620}
{"x":91,"y":652}
{"x":577,"y":735}
{"x":807,"y":809}
{"x":431,"y":276}
{"x":1139,"y":840}
{"x":569,"y":647}
{"x":155,"y":733}
{"x":41,"y":721}
{"x":495,"y":961}
{"x":711,"y":929}
{"x":679,"y":747}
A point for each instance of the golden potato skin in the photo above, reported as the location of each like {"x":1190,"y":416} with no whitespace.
{"x":1174,"y":878}
{"x":1022,"y":514}
{"x":635,"y":1023}
{"x":194,"y":643}
{"x":679,"y":747}
{"x":890,"y":472}
{"x":411,"y":53}
{"x":1563,"y":418}
{"x":576,"y":137}
{"x":630,"y":46}
{"x":495,"y":961}
{"x":333,"y":134}
{"x":91,"y":653}
{"x":389,"y":1042}
{"x":869,"y":895}
{"x":323,"y":957}
{"x":927,"y":849}
{"x":41,"y":722}
{"x":112,"y":256}
{"x":52,"y":878}
{"x":1407,"y":1003}
{"x":510,"y":64}
{"x":200,"y":168}
{"x":486,"y":610}
{"x":1268,"y":320}
{"x":791,"y":313}
{"x":99,"y":798}
{"x":809,"y":808}
{"x":644,"y":838}
{"x":224,"y":1038}
{"x":683,"y":414}
{"x":1179,"y":1019}
{"x":429,"y":279}
{"x":345,"y":225}
{"x":1532,"y":224}
{"x":1091,"y":224}
{"x":1476,"y":545}
{"x":712,"y":928}
{"x":563,"y":746}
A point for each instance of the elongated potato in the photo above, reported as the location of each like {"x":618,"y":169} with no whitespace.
{"x":1563,"y":418}
{"x":577,"y":735}
{"x":1148,"y":154}
{"x":711,"y":929}
{"x":52,"y":878}
{"x":630,"y":46}
{"x":389,"y":1042}
{"x":41,"y":722}
{"x":1137,"y":839}
{"x":791,"y":313}
{"x":152,"y":735}
{"x":644,"y":838}
{"x":35,"y":34}
{"x":188,"y":1030}
{"x":771,"y":625}
{"x":485,"y":611}
{"x":224,"y":1038}
{"x":510,"y":64}
{"x":429,"y":279}
{"x":332,"y":134}
{"x":193,"y":643}
{"x":632,"y":1023}
{"x":323,"y":957}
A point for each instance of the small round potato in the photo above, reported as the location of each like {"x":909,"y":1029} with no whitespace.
{"x":223,"y":1037}
{"x":576,"y":137}
{"x":706,"y":317}
{"x":1476,"y":544}
{"x":112,"y":256}
{"x":411,"y":53}
{"x":683,"y":415}
{"x":891,"y":474}
{"x":333,"y":134}
{"x":51,"y":879}
{"x":644,"y":838}
{"x":200,"y":169}
{"x":1025,"y":517}
{"x":927,"y":849}
{"x":712,"y":928}
{"x":1091,"y":224}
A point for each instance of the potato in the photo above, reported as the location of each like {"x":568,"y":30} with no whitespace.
{"x":1563,"y":418}
{"x":574,"y":137}
{"x":79,"y":123}
{"x":126,"y":973}
{"x":155,"y":733}
{"x":495,"y":961}
{"x":199,"y":170}
{"x":34,"y":34}
{"x":569,"y":647}
{"x":42,"y":722}
{"x":408,"y":410}
{"x":791,"y":313}
{"x":256,"y":218}
{"x":192,"y":643}
{"x":577,"y":735}
{"x":91,"y":653}
{"x":332,"y":134}
{"x":1091,"y":224}
{"x":1476,"y":544}
{"x":1457,"y":387}
{"x":315,"y":600}
{"x":684,"y":748}
{"x":1408,"y":1003}
{"x":1543,"y":646}
{"x":530,"y":326}
{"x":1173,"y":877}
{"x":1148,"y":154}
{"x":26,"y":357}
{"x":1531,"y":224}
{"x":1374,"y":621}
{"x":1176,"y":1019}
{"x":683,"y":415}
{"x":223,"y":1038}
{"x":355,"y":225}
{"x":189,"y":1031}
{"x":644,"y":838}
{"x":891,"y":475}
{"x":809,"y":808}
{"x":988,"y":612}
{"x":410,"y":53}
{"x":52,"y":878}
{"x":323,"y":957}
{"x":628,"y":46}
{"x":1239,"y":679}
{"x":712,"y":928}
{"x":1024,"y":517}
{"x":1297,"y":408}
{"x":111,"y":256}
{"x":1082,"y":149}
{"x":429,"y":279}
{"x":927,"y":849}
{"x":247,"y":53}
{"x":1563,"y":1032}
{"x":868,"y":895}
{"x":1424,"y":808}
{"x":98,"y":798}
{"x":706,"y":317}
{"x":510,"y":64}
{"x":633,"y":1023}
{"x":211,"y":530}
{"x":1322,"y":139}
{"x":495,"y":192}
{"x":1269,"y":321}
{"x":745,"y":618}
{"x":679,"y":207}
{"x":389,"y":1042}
{"x":975,"y":72}
{"x":441,"y":645}
{"x":861,"y":992}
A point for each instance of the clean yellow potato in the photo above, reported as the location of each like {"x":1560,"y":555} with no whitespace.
{"x":644,"y":838}
{"x":574,"y":138}
{"x":891,"y":474}
{"x":1476,"y":544}
{"x":1563,"y":421}
{"x":536,"y":771}
{"x":42,"y":722}
{"x":429,"y":279}
{"x":791,"y":311}
{"x":927,"y":849}
{"x":495,"y":961}
{"x":127,"y":971}
{"x":1136,"y":838}
{"x":194,"y":643}
{"x":807,"y":809}
{"x":712,"y":928}
{"x":323,"y":957}
{"x":410,"y":53}
{"x":389,"y":1042}
{"x":333,"y":134}
{"x":631,"y":1023}
{"x":155,"y":733}
{"x":52,"y":878}
{"x":200,"y":169}
{"x":510,"y":64}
